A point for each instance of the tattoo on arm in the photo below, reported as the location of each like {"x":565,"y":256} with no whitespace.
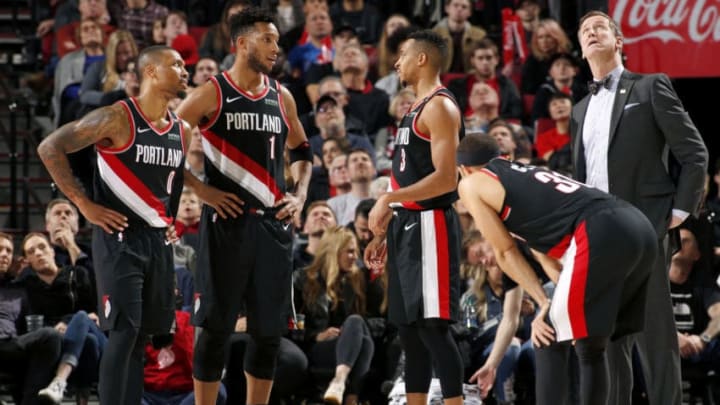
{"x":107,"y":126}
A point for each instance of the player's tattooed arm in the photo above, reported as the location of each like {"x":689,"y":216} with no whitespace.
{"x":107,"y":127}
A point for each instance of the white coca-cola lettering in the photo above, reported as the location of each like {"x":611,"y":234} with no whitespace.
{"x":666,"y":20}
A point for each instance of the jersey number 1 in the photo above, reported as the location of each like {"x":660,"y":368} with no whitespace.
{"x":272,"y":147}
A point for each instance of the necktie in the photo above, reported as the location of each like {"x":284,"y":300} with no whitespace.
{"x":595,"y":85}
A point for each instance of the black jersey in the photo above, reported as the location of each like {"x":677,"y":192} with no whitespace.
{"x":244,"y":142}
{"x":543,"y":207}
{"x":143,"y":178}
{"x":412,"y":160}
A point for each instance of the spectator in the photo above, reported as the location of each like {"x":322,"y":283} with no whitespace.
{"x":387,"y":56}
{"x":158,"y":32}
{"x":299,"y":34}
{"x":318,"y":48}
{"x":362,"y":172}
{"x":187,"y":222}
{"x":71,"y":69}
{"x":385,"y":139}
{"x":204,"y":70}
{"x":320,"y":188}
{"x":339,"y":177}
{"x":696,"y":303}
{"x":365,"y":100}
{"x":484,"y":61}
{"x":360,"y":226}
{"x":341,"y":36}
{"x":459,"y":34}
{"x":505,"y":136}
{"x":61,"y":224}
{"x":138,"y":17}
{"x":168,"y":369}
{"x":333,"y":86}
{"x":558,"y":137}
{"x":357,"y":13}
{"x":28,"y":356}
{"x":330,"y":120}
{"x":713,"y":205}
{"x":66,"y":299}
{"x":319,"y":217}
{"x":484,"y":107}
{"x":563,"y":73}
{"x":66,"y":38}
{"x":105,"y":76}
{"x":332,"y":294}
{"x":217,"y":43}
{"x":548,"y":39}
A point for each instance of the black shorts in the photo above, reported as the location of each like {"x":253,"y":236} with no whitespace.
{"x":244,"y":264}
{"x":135,"y":278}
{"x":601,"y":291}
{"x":423,"y":266}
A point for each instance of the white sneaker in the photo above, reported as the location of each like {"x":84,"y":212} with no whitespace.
{"x":334,"y":393}
{"x":55,"y":391}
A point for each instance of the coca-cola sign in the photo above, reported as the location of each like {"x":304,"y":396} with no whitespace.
{"x":678,"y":37}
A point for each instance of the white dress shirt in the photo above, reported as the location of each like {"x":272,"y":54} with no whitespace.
{"x":596,"y":132}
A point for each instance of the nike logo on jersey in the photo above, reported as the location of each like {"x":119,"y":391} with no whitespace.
{"x":230,"y":100}
{"x":141,"y":130}
{"x":410,"y":226}
{"x":286,"y":226}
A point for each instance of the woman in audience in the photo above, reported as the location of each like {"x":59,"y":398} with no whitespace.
{"x":217,"y":43}
{"x":106,"y":76}
{"x":548,"y":39}
{"x":385,"y":138}
{"x":332,"y":295}
{"x":66,"y":299}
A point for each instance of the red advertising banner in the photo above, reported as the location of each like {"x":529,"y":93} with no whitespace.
{"x":678,"y":37}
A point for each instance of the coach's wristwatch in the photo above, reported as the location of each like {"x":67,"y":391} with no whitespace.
{"x":706,"y":338}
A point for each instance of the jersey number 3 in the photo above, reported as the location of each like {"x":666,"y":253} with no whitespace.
{"x":562,"y":183}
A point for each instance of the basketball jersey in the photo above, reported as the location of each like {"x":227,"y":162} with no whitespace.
{"x":244,"y":142}
{"x":541,"y":206}
{"x":412,"y":160}
{"x":143,"y":179}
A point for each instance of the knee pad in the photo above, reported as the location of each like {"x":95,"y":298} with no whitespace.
{"x":209,"y":354}
{"x":261,"y":356}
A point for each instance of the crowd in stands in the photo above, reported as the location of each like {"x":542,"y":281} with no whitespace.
{"x":337,"y":58}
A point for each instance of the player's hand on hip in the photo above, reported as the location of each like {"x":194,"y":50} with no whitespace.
{"x":376,"y":253}
{"x":542,"y":333}
{"x":224,"y":203}
{"x":485,"y":378}
{"x":107,"y":219}
{"x":291,"y":205}
{"x":379,"y":217}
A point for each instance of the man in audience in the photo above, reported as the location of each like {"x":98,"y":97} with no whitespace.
{"x":204,"y":70}
{"x":61,"y":224}
{"x":459,"y":34}
{"x":362,"y":172}
{"x":342,"y":35}
{"x":366,"y":101}
{"x":29,"y":356}
{"x":504,"y":135}
{"x":318,"y":48}
{"x":333,"y":86}
{"x":319,"y":217}
{"x":484,"y":62}
{"x":364,"y":17}
{"x":330,"y":120}
{"x":360,"y":226}
{"x":696,"y":303}
{"x":563,"y":69}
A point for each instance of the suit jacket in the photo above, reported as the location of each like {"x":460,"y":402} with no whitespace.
{"x":648,"y":119}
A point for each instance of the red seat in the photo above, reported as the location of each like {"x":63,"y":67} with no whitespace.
{"x":446,"y":78}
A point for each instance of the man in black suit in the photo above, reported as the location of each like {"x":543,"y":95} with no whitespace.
{"x":621,"y":133}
